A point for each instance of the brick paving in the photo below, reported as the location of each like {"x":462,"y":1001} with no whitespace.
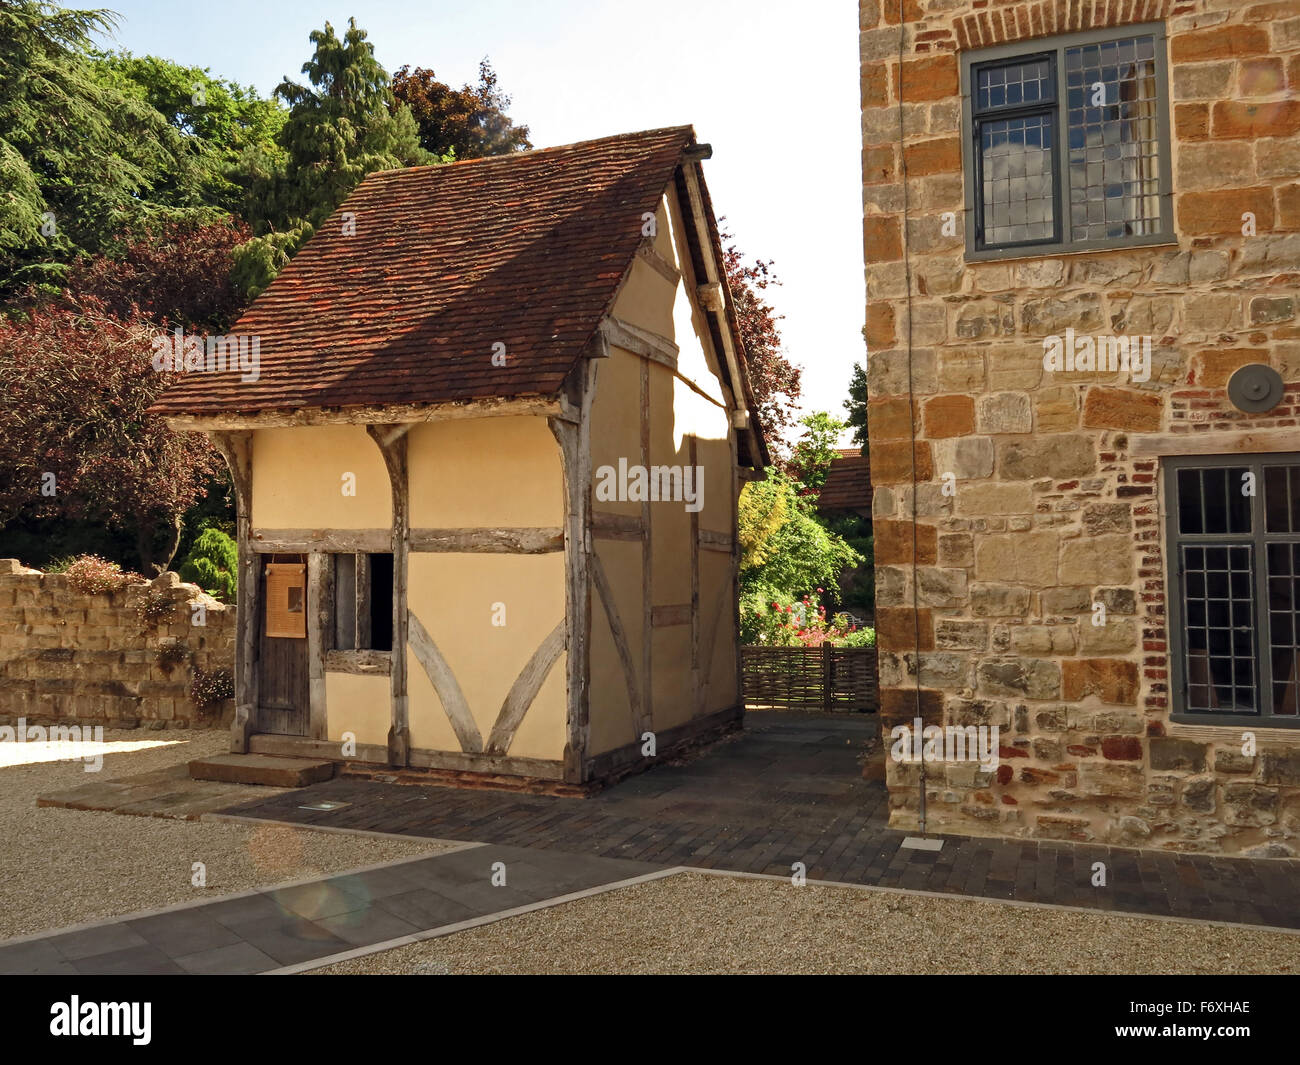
{"x":790,"y":790}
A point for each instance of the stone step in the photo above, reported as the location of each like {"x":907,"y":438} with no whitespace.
{"x":271,"y":770}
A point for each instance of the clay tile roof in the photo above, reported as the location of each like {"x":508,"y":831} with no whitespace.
{"x":848,"y":482}
{"x":526,"y":250}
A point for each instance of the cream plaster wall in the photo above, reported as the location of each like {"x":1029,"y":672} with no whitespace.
{"x":455,"y":597}
{"x":298,"y":479}
{"x":611,"y":712}
{"x":485,"y":472}
{"x":678,"y":410}
{"x":358,"y":704}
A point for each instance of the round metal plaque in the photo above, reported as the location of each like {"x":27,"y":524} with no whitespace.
{"x":1255,"y":388}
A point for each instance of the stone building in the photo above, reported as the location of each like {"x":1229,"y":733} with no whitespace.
{"x":1083,"y":284}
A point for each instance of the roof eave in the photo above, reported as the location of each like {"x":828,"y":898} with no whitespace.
{"x":494,"y":407}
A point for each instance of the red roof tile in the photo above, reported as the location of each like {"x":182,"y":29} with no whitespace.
{"x":848,"y":482}
{"x":526,"y":250}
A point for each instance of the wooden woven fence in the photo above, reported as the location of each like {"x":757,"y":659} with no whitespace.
{"x":810,"y":678}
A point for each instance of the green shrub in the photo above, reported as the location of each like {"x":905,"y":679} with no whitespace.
{"x":783,"y":546}
{"x":863,"y":637}
{"x":212,"y":564}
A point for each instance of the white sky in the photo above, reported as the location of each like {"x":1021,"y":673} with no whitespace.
{"x":773,"y":86}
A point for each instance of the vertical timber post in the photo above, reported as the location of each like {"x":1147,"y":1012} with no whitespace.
{"x":646,"y":723}
{"x":237,"y":449}
{"x":828,"y":677}
{"x":318,"y":598}
{"x":697,"y":687}
{"x":391,"y":441}
{"x":733,"y":440}
{"x":575,"y":453}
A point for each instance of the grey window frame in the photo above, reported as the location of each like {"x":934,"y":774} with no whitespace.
{"x":1263,"y":716}
{"x":1056,"y":46}
{"x":349,"y":603}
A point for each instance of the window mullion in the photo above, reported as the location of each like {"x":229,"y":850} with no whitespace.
{"x":363,"y":602}
{"x":977,"y":160}
{"x":1060,"y":162}
{"x":1263,"y":619}
{"x":1200,"y":495}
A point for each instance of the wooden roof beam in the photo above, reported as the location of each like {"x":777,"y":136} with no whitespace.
{"x":412,"y":414}
{"x":714,"y":280}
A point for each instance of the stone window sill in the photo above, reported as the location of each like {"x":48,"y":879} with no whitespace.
{"x":1192,"y":727}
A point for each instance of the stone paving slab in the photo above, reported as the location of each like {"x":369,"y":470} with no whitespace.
{"x":790,"y":790}
{"x":266,"y":930}
{"x":167,"y":792}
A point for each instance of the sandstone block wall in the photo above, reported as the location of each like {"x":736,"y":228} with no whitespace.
{"x":89,"y":659}
{"x":1049,"y":510}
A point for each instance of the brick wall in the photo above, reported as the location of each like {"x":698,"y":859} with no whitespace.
{"x":71,"y":657}
{"x":1050,"y":509}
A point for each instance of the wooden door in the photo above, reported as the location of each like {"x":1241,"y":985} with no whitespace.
{"x":283,"y":678}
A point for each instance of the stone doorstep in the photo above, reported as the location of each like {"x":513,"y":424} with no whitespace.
{"x":168,"y":793}
{"x":266,"y":769}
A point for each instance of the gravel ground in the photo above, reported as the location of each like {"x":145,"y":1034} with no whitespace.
{"x":63,"y":867}
{"x":692,"y":923}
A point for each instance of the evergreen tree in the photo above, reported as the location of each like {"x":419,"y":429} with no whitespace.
{"x":229,"y":128}
{"x":342,"y":126}
{"x":79,"y":158}
{"x":856,"y":405}
{"x":213,"y":564}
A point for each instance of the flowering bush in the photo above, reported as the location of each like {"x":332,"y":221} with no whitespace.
{"x":209,"y":689}
{"x":89,"y":574}
{"x":862,"y":636}
{"x":776,"y":620}
{"x":170,"y":654}
{"x":155,"y":608}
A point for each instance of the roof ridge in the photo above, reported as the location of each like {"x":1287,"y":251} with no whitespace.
{"x":487,"y":159}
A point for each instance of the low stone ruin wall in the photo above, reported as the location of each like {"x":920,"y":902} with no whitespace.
{"x":102,"y":658}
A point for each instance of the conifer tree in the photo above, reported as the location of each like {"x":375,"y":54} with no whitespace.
{"x":78,"y":157}
{"x":342,"y":126}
